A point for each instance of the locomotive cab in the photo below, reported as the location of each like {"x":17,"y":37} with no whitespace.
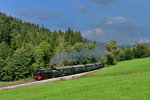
{"x":41,"y":74}
{"x":38,"y":74}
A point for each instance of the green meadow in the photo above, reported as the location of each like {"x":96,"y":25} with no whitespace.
{"x":134,"y":65}
{"x":94,"y":86}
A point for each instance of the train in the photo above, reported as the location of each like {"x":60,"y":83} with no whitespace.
{"x":41,"y":74}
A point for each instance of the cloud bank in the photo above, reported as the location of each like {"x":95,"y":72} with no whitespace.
{"x":80,"y":8}
{"x":41,"y":13}
{"x":104,"y":2}
{"x":46,"y":14}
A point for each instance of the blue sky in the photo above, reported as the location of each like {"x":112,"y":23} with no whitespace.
{"x":126,"y":21}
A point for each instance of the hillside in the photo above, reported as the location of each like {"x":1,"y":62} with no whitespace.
{"x":95,"y":86}
{"x":135,"y":65}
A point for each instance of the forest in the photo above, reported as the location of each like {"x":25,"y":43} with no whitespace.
{"x":25,"y":47}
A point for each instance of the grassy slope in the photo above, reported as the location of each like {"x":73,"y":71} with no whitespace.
{"x":134,"y":65}
{"x":121,"y":87}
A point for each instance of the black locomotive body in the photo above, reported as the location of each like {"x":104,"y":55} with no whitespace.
{"x":41,"y":74}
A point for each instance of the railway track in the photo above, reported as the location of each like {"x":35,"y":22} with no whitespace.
{"x":11,"y":84}
{"x":29,"y":83}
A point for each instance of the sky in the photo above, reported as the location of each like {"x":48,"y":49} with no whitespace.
{"x":125,"y":21}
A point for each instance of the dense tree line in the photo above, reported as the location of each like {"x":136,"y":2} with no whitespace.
{"x":115,"y":53}
{"x":26,"y":46}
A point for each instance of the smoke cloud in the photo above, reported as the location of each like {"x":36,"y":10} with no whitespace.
{"x":98,"y":52}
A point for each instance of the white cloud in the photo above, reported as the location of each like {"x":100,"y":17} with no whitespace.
{"x":109,"y":22}
{"x":98,"y":30}
{"x":87,"y":33}
{"x":111,"y":19}
{"x":122,"y":19}
{"x":144,"y":40}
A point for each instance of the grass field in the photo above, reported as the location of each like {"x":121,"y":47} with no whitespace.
{"x":134,"y":65}
{"x":120,"y":87}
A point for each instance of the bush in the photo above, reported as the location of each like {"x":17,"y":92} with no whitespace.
{"x":110,"y":59}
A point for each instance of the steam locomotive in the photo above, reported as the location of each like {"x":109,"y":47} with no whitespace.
{"x":41,"y":74}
